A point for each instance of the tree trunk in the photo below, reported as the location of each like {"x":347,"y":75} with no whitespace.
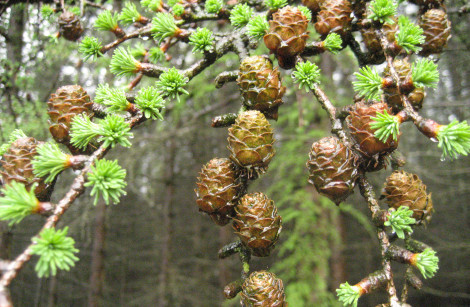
{"x":52,"y":297}
{"x":97,"y":257}
{"x":163,"y":282}
{"x":338,"y":263}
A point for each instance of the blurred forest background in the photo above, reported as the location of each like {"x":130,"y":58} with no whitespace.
{"x":156,"y":249}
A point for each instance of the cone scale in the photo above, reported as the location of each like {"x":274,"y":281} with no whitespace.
{"x":257,"y":223}
{"x":287,"y":35}
{"x":333,"y":169}
{"x":218,"y":188}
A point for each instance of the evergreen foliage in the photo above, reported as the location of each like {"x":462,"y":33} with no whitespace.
{"x":425,"y":73}
{"x":202,"y":40}
{"x":16,"y":202}
{"x":454,"y":139}
{"x":50,"y":161}
{"x":240,"y":15}
{"x":16,"y":134}
{"x":400,"y":221}
{"x":368,"y":83}
{"x":383,"y":10}
{"x":409,"y":35}
{"x":163,"y":26}
{"x":150,"y":103}
{"x":306,"y":74}
{"x":333,"y":43}
{"x":129,"y":14}
{"x":385,"y":125}
{"x":214,"y":6}
{"x":171,"y":83}
{"x":123,"y":63}
{"x":55,"y":251}
{"x":427,"y":263}
{"x":348,"y":295}
{"x":257,"y":27}
{"x":275,"y":4}
{"x":107,"y":21}
{"x":107,"y":181}
{"x":90,"y":47}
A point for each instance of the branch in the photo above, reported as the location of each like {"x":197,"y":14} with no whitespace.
{"x":76,"y":189}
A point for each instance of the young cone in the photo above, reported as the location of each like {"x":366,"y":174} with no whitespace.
{"x":17,"y":166}
{"x":67,"y":102}
{"x":333,"y":169}
{"x":373,"y":44}
{"x":251,"y":141}
{"x":436,"y":30}
{"x":218,"y":188}
{"x":392,"y":97}
{"x":70,"y":26}
{"x":287,"y":35}
{"x":359,"y":121}
{"x":335,"y":16}
{"x":313,"y":5}
{"x":260,"y":85}
{"x":262,"y":289}
{"x":257,"y":223}
{"x":405,"y":189}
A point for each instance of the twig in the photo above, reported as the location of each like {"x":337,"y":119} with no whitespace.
{"x":76,"y":189}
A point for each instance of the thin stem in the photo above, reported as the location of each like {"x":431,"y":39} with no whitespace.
{"x":76,"y":189}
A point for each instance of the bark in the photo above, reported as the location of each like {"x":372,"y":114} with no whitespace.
{"x":163,"y":284}
{"x":97,"y":257}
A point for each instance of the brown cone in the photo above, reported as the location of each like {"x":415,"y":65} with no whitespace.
{"x":287,"y":35}
{"x":333,"y":169}
{"x":436,"y":30}
{"x":392,"y":97}
{"x":359,"y":121}
{"x":17,"y":166}
{"x":406,"y":189}
{"x":218,"y":189}
{"x":67,"y":102}
{"x":257,"y":223}
{"x":70,"y":26}
{"x":263,"y":289}
{"x":251,"y":141}
{"x":335,"y":16}
{"x":373,"y":44}
{"x":260,"y":85}
{"x":313,"y":5}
